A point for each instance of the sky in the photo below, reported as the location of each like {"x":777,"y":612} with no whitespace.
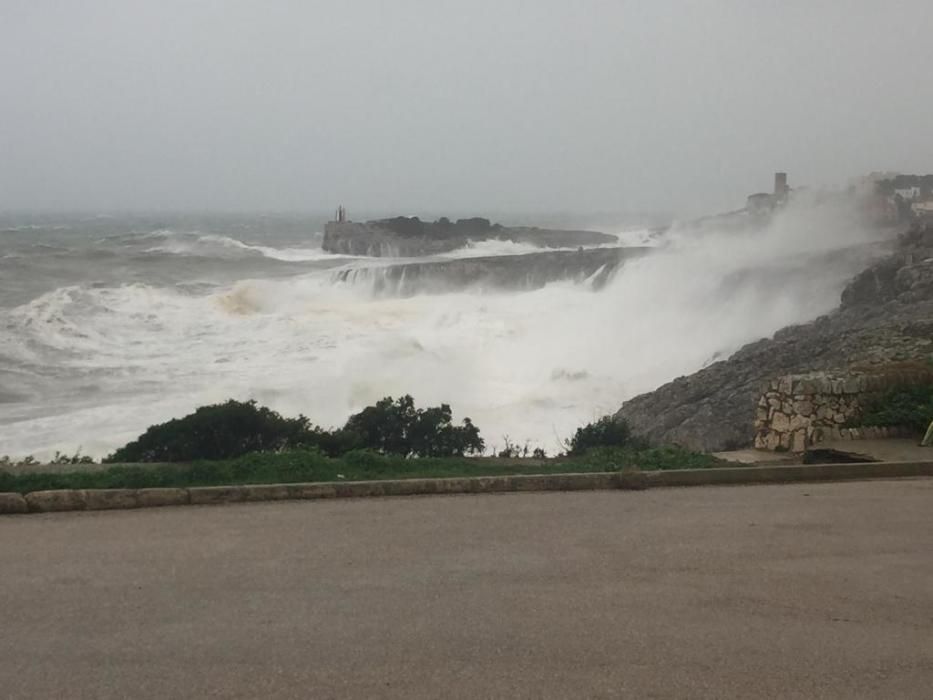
{"x":409,"y":106}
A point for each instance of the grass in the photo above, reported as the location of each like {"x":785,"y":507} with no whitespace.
{"x":297,"y":466}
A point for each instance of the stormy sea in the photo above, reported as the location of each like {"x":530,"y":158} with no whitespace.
{"x":109,"y":324}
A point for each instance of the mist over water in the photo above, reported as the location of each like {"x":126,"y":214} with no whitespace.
{"x":110,"y":325}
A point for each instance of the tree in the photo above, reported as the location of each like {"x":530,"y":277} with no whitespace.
{"x":232,"y":429}
{"x":606,"y":432}
{"x":220,"y":431}
{"x":397,"y":427}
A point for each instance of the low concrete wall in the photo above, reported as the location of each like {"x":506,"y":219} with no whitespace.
{"x":107,"y":499}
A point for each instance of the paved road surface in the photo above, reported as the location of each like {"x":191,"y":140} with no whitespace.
{"x":804,"y":591}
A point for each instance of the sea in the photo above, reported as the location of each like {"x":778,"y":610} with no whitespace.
{"x":112,"y":323}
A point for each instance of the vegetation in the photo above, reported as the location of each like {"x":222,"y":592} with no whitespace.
{"x":310,"y":464}
{"x":59,"y":458}
{"x":398,"y":428}
{"x":647,"y":458}
{"x":907,"y":407}
{"x":243,"y":443}
{"x":233,"y":429}
{"x":606,"y":432}
{"x":221,"y":431}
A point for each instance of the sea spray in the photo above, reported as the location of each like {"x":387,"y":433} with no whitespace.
{"x":98,"y":363}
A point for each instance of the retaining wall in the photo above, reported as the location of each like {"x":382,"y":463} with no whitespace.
{"x":797,"y":411}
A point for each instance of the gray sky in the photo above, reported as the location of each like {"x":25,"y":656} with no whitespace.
{"x":427,"y":105}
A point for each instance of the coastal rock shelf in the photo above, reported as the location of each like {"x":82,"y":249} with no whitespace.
{"x":408,"y":237}
{"x":885,"y":318}
{"x":504,"y":272}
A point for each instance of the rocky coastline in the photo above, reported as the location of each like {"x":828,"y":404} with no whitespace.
{"x":409,"y":237}
{"x":885,"y":316}
{"x":504,"y":272}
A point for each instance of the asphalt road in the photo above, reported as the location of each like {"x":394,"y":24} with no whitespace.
{"x":803,"y":591}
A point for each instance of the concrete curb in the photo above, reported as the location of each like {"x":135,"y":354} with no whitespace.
{"x":121,"y":499}
{"x":11,"y":503}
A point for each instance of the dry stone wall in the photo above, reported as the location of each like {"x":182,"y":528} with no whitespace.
{"x":799,"y":410}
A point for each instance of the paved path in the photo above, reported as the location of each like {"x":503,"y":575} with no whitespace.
{"x":804,"y":591}
{"x":890,"y":450}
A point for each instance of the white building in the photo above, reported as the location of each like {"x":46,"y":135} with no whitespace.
{"x":908,"y":193}
{"x":923,"y":209}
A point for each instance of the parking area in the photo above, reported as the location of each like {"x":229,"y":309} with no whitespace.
{"x":797,"y":591}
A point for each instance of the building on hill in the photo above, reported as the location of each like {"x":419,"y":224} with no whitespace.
{"x":762,"y":203}
{"x":908,"y":194}
{"x":923,"y":210}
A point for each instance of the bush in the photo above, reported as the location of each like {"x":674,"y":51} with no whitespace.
{"x":606,"y":432}
{"x":220,"y":431}
{"x":398,"y":428}
{"x":232,"y":429}
{"x":904,"y":407}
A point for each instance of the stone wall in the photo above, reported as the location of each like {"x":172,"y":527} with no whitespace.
{"x":799,"y":410}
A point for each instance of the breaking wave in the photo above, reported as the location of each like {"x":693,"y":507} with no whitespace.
{"x":187,"y":243}
{"x":101,"y":363}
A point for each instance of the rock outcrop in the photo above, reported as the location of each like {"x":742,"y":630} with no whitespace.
{"x":886,"y":316}
{"x":409,"y":237}
{"x":502,"y":272}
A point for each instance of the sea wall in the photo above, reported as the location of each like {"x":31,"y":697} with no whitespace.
{"x":410,"y":238}
{"x":797,"y":411}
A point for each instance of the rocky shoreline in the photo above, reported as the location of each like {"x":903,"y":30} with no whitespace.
{"x":504,"y":272}
{"x":885,"y":316}
{"x":409,"y":237}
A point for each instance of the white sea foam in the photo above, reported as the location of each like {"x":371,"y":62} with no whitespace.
{"x":532,"y":366}
{"x":205,"y":243}
{"x":494,"y":247}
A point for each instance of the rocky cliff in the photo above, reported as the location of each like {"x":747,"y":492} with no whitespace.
{"x":885,"y":315}
{"x":409,"y":237}
{"x":504,"y":272}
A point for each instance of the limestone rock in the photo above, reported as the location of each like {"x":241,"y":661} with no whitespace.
{"x":780,"y":423}
{"x":882,"y":319}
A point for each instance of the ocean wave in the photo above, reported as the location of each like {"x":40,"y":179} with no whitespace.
{"x":640,"y":237}
{"x":494,"y":247}
{"x":195,"y":243}
{"x":532,"y":366}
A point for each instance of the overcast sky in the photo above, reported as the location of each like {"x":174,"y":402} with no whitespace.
{"x":429,"y":105}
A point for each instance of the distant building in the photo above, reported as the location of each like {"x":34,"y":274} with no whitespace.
{"x":764,"y":202}
{"x":908,"y":194}
{"x":923,"y":210}
{"x":780,"y":186}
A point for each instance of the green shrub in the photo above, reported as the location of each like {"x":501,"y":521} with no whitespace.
{"x":606,"y":432}
{"x":398,"y":428}
{"x":905,"y":407}
{"x":221,"y":431}
{"x":233,"y":429}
